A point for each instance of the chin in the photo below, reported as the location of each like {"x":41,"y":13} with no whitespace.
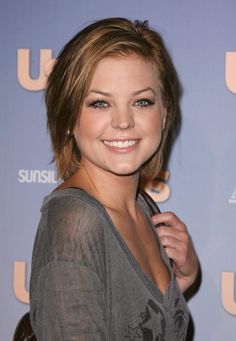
{"x":126,"y":171}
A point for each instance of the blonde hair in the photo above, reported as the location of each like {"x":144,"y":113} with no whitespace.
{"x":72,"y":73}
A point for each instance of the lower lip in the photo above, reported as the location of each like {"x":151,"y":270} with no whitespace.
{"x":127,"y":149}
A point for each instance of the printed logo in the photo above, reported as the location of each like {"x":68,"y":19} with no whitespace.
{"x":230,"y":71}
{"x":158,"y":188}
{"x":152,"y":325}
{"x":37,"y":176}
{"x":19,"y":281}
{"x":23,"y":69}
{"x":227,"y":292}
{"x":232,"y":199}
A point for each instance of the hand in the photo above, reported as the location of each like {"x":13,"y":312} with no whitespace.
{"x":175,"y":238}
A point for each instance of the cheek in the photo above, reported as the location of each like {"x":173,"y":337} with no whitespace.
{"x":84,"y":130}
{"x":155,"y":133}
{"x":154,"y":126}
{"x":87,"y":134}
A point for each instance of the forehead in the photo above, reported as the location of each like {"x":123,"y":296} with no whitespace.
{"x":124,"y":72}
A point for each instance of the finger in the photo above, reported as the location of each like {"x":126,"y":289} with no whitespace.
{"x":169,"y":241}
{"x":179,"y":259}
{"x":171,"y":253}
{"x":168,"y":219}
{"x":172,"y":232}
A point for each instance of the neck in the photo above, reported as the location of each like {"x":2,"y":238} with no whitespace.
{"x":113,"y":191}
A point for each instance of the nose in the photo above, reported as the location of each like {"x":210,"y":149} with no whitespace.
{"x":122,"y":119}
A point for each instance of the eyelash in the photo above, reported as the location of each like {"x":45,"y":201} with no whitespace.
{"x":147,"y":103}
{"x":101,"y":104}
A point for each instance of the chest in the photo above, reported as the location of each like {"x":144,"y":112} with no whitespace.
{"x":138,"y":306}
{"x":144,"y":246}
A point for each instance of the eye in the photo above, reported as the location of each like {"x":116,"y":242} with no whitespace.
{"x":144,"y":102}
{"x":100,"y":104}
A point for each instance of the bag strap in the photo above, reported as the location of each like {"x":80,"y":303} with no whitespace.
{"x":150,"y":202}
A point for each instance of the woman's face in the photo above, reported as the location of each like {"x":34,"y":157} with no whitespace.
{"x":122,"y":117}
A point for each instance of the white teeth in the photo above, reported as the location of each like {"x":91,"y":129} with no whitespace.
{"x":120,"y":144}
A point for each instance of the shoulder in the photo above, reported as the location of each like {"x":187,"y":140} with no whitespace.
{"x":73,"y":206}
{"x":72,"y":227}
{"x":70,"y":197}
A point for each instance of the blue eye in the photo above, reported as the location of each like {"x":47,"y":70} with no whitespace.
{"x":100,"y":104}
{"x":144,"y":102}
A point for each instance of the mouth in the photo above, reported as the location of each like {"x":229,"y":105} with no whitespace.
{"x":120,"y":144}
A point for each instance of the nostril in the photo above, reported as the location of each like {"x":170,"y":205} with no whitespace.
{"x":123,"y":123}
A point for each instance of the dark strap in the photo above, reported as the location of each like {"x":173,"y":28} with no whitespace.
{"x":150,"y":202}
{"x":23,"y":331}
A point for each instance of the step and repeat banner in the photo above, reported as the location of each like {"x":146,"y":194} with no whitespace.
{"x":200,"y":182}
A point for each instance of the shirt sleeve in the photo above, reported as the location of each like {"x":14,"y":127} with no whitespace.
{"x":68,"y":277}
{"x":71,"y":304}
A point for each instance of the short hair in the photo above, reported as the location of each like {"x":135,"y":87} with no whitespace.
{"x":72,"y":74}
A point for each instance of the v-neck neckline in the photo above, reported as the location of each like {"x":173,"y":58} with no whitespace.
{"x":148,"y":282}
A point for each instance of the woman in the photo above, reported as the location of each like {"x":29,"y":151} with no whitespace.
{"x":99,"y":269}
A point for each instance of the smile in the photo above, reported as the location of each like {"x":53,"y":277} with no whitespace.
{"x":120,"y":144}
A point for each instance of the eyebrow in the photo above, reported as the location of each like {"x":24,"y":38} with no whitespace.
{"x":99,"y":92}
{"x":144,"y":90}
{"x":107,"y":94}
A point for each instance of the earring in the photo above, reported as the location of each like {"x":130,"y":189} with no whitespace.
{"x":68,"y":132}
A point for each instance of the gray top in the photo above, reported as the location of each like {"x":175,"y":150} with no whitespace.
{"x":86,"y":285}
